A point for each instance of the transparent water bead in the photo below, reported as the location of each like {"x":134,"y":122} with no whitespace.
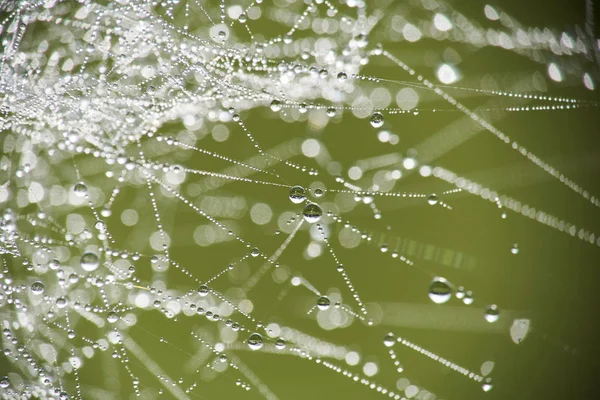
{"x":280,"y":344}
{"x":276,"y":105}
{"x":492,"y":313}
{"x":112,"y":317}
{"x":389,"y":340}
{"x":203,"y":290}
{"x":4,"y":382}
{"x":432,"y":199}
{"x":515,"y":249}
{"x":297,"y":194}
{"x":89,"y":262}
{"x":312,"y":213}
{"x":440,"y":290}
{"x":37,"y":287}
{"x":377,"y":120}
{"x":323,"y":303}
{"x":255,"y":341}
{"x":80,"y":189}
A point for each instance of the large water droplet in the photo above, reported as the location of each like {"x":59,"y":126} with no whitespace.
{"x":112,"y":317}
{"x":440,"y":290}
{"x":432,"y":199}
{"x":276,"y":105}
{"x":203,"y":290}
{"x":89,"y":262}
{"x":255,"y":341}
{"x":37,"y":287}
{"x":80,"y":189}
{"x":312,"y":213}
{"x":323,"y":303}
{"x":297,"y":194}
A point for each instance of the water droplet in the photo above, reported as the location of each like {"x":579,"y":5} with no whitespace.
{"x":255,"y":341}
{"x":4,"y":382}
{"x":468,"y":298}
{"x":312,"y":213}
{"x":487,"y":386}
{"x":37,"y":287}
{"x":432,"y":199}
{"x":243,"y":18}
{"x":323,"y":303}
{"x":112,"y":317}
{"x":80,"y":189}
{"x":342,"y":76}
{"x":297,"y":194}
{"x":389,"y":340}
{"x":254,"y":252}
{"x":384,"y":248}
{"x":331,"y":112}
{"x":71,"y":334}
{"x":492,"y":313}
{"x":89,"y":262}
{"x":54,"y":264}
{"x":377,"y":120}
{"x":203,"y":290}
{"x":280,"y":344}
{"x":276,"y":105}
{"x":515,"y":249}
{"x":440,"y":290}
{"x":318,"y":192}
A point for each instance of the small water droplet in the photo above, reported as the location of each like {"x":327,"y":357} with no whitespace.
{"x":389,"y":340}
{"x":432,"y":199}
{"x":492,"y":313}
{"x":377,"y":120}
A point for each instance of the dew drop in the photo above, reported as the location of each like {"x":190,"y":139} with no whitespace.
{"x":377,"y":120}
{"x":254,"y":252}
{"x":492,"y":313}
{"x":37,"y":287}
{"x":323,"y":303}
{"x":80,"y":189}
{"x":203,"y":290}
{"x":297,"y":194}
{"x":389,"y":340}
{"x":112,"y":317}
{"x":255,"y":341}
{"x":276,"y":105}
{"x":432,"y":199}
{"x":312,"y":213}
{"x":515,"y":249}
{"x":89,"y":262}
{"x":4,"y":382}
{"x":440,"y":290}
{"x":280,"y":344}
